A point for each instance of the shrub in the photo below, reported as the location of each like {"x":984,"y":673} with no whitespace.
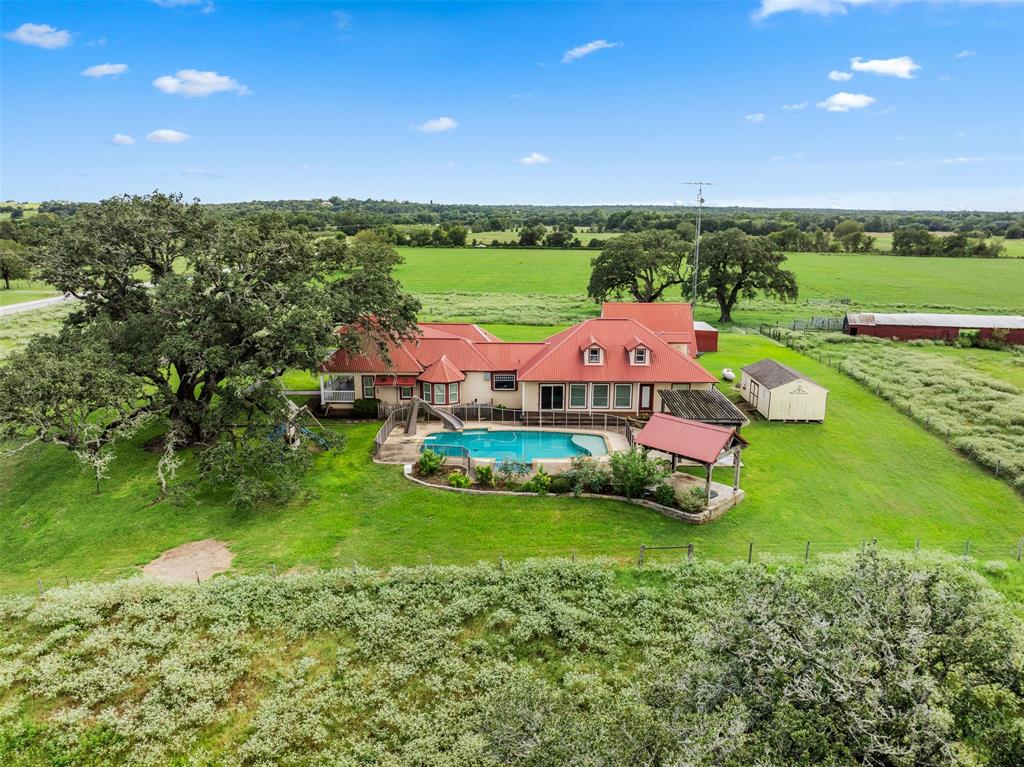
{"x":539,"y":483}
{"x":365,"y":408}
{"x":511,"y":472}
{"x":560,"y":485}
{"x":458,"y":479}
{"x":485,"y":476}
{"x":633,"y":472}
{"x":430,"y":463}
{"x":691,"y":500}
{"x":665,"y":494}
{"x":585,"y":475}
{"x":995,"y":568}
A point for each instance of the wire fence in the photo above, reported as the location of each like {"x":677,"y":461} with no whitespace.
{"x":1007,"y":553}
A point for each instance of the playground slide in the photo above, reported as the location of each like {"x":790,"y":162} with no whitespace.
{"x":451,"y":423}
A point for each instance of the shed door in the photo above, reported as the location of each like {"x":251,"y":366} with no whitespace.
{"x":754,"y":390}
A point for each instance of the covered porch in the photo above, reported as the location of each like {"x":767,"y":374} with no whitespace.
{"x":697,"y":443}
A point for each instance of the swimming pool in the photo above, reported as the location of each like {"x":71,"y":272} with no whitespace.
{"x":515,"y":445}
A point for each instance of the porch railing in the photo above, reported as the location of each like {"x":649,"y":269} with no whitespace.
{"x":339,"y":395}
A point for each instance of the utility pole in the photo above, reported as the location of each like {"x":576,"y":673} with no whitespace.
{"x":696,"y":246}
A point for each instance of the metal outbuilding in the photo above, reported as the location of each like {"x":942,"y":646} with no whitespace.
{"x":780,"y":393}
{"x":939,"y":327}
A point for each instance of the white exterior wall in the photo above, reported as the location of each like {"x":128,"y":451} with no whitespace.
{"x":799,"y":400}
{"x":476,"y":388}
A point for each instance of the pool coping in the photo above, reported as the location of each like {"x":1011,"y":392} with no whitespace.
{"x":608,"y":449}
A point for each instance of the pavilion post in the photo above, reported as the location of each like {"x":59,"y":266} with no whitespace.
{"x":707,"y":485}
{"x":736,"y":471}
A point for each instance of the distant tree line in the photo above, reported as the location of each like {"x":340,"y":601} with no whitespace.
{"x":350,"y":216}
{"x":915,"y":240}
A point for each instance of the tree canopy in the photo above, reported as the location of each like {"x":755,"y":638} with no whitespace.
{"x":735,"y":265}
{"x":643,"y":265}
{"x":209,"y":313}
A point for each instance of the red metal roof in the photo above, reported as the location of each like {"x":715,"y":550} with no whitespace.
{"x":563,"y":360}
{"x":459,"y":351}
{"x":510,"y":356}
{"x":372,"y":361}
{"x":672,"y":322}
{"x":697,"y":441}
{"x":466,"y":330}
{"x":442,"y":371}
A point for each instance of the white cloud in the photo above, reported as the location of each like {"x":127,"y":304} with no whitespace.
{"x":41,"y":36}
{"x":167,"y":136}
{"x":193,"y":82}
{"x":534,"y":158}
{"x":795,"y":107}
{"x":844,"y":102}
{"x":437,"y":125}
{"x":201,"y":172}
{"x":840,"y":77}
{"x":757,"y":117}
{"x":121,"y":139}
{"x":830,"y":7}
{"x":580,"y":51}
{"x":104,"y":70}
{"x":965,"y":54}
{"x":961,"y":160}
{"x":901,"y":66}
{"x":100,"y":42}
{"x":342,"y":20}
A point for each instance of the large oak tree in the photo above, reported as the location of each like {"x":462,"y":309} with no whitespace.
{"x":643,"y":265}
{"x":735,"y":265}
{"x":211,"y":312}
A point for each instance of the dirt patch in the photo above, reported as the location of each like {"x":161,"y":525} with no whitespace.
{"x":185,"y":563}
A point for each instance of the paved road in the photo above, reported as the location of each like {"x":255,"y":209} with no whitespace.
{"x":27,"y":306}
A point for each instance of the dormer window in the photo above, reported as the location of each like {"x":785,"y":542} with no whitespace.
{"x":640,"y":355}
{"x":594,"y":355}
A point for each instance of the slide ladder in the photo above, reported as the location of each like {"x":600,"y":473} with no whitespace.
{"x":451,"y":423}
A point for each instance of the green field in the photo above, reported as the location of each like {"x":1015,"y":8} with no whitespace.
{"x":20,"y":295}
{"x":827,"y":282}
{"x":867,"y":472}
{"x":1011,"y":248}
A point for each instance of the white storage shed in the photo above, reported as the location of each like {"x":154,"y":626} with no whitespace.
{"x":780,"y":393}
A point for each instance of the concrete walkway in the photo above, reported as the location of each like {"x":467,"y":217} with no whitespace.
{"x":27,"y":306}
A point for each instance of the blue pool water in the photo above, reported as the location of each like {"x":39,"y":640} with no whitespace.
{"x":515,"y":445}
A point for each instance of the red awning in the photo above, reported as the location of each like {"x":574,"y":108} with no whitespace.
{"x":394,"y":381}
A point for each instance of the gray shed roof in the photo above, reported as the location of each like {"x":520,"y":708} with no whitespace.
{"x":917,"y":319}
{"x":771,"y":374}
{"x":706,"y":405}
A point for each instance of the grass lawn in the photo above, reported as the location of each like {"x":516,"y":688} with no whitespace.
{"x":1011,"y":248}
{"x":20,"y":296}
{"x":868,"y":472}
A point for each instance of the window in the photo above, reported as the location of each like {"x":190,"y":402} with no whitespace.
{"x":681,"y":387}
{"x":578,"y":395}
{"x":599,"y":396}
{"x":640,"y":356}
{"x":426,"y":393}
{"x":594,"y":355}
{"x":405,"y":392}
{"x":438,"y":394}
{"x":623,"y":396}
{"x":503,"y":381}
{"x":453,"y":393}
{"x":368,"y":390}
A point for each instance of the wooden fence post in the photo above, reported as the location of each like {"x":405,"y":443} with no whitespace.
{"x":640,"y":559}
{"x":39,"y":585}
{"x":807,"y":552}
{"x":917,"y":545}
{"x":1020,"y":548}
{"x":689,"y":552}
{"x":750,"y":552}
{"x":967,"y":547}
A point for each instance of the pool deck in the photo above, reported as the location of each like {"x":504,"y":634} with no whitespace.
{"x":402,"y":449}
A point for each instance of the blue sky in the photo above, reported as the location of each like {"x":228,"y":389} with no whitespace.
{"x":565,"y":102}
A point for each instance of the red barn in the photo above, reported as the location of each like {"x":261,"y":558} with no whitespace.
{"x":938,"y":327}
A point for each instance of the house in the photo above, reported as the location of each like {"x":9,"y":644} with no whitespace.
{"x":672,"y":323}
{"x":780,"y":393}
{"x":613,"y":365}
{"x":939,"y":327}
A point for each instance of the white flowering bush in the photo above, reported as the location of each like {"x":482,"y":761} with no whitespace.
{"x":850,"y":661}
